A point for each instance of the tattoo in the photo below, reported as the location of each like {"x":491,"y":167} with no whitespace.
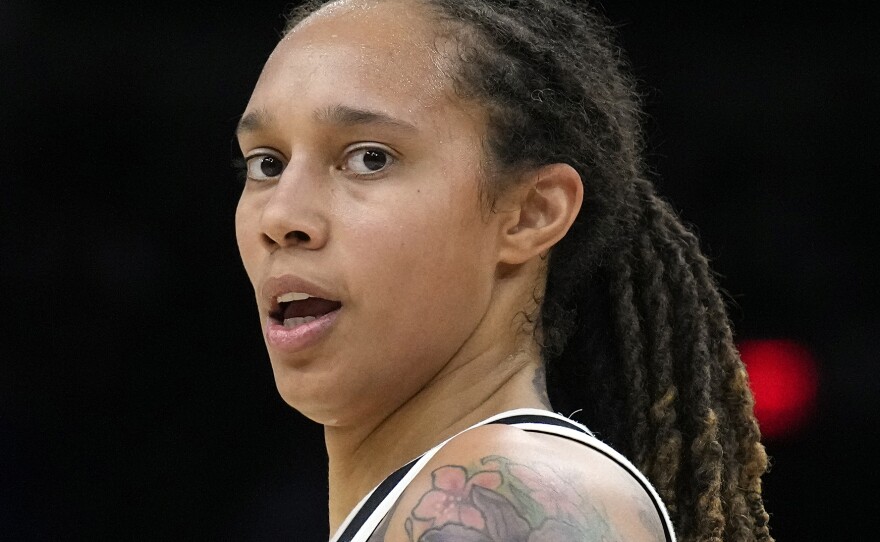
{"x":648,"y":519}
{"x":503,"y":501}
{"x":379,"y":534}
{"x":539,"y":382}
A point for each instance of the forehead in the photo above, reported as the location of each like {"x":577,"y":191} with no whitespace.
{"x":358,"y":52}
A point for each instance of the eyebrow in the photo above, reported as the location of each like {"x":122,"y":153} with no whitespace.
{"x":341,"y":115}
{"x":253,"y":122}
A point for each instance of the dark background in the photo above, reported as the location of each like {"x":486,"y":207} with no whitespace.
{"x":136,"y":400}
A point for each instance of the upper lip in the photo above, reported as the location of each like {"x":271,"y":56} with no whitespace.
{"x":282,"y":284}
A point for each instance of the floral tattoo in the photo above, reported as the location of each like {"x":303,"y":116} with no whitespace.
{"x":503,"y":501}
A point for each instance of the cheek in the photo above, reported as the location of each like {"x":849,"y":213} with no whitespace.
{"x":246,"y":233}
{"x":427,"y":272}
{"x":424,"y":234}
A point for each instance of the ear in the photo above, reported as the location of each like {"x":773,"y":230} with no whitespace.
{"x":543,"y":208}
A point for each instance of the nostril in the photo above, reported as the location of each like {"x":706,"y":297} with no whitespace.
{"x":300,"y":236}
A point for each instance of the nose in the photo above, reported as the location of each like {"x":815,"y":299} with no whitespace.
{"x":295,"y":213}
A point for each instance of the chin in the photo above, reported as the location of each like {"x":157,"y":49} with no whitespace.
{"x":323,"y":404}
{"x":334,"y":405}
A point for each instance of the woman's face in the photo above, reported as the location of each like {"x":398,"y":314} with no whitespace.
{"x":363,"y":194}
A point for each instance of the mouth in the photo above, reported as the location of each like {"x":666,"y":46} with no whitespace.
{"x":293,"y":309}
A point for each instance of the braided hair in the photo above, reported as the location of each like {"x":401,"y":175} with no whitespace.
{"x":632,"y":326}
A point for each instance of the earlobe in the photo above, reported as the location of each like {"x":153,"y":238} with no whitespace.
{"x":547,"y":203}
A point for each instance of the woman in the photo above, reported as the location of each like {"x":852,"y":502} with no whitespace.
{"x":444,"y":203}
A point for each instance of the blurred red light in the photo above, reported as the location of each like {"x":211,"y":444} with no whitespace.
{"x":784,"y":380}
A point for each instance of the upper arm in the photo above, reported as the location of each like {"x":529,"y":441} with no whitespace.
{"x":499,"y":483}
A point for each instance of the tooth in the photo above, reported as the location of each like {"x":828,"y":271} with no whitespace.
{"x":292,"y":296}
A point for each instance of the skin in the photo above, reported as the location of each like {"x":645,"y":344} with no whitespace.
{"x":433,"y":284}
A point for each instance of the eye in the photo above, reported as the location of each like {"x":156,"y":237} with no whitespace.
{"x":368,"y":160}
{"x":264,"y":167}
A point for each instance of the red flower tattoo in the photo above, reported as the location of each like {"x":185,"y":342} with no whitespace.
{"x":450,"y":499}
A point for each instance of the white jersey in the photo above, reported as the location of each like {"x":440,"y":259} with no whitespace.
{"x":369,"y":513}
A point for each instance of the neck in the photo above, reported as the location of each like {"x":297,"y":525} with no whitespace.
{"x":465,"y":393}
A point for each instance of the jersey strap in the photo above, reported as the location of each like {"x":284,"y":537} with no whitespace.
{"x":371,"y":503}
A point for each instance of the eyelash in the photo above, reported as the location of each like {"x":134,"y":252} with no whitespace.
{"x":239,"y":165}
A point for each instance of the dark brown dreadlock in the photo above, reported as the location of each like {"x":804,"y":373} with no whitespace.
{"x":634,"y":330}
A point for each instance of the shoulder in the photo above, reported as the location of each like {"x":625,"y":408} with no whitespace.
{"x":499,"y":483}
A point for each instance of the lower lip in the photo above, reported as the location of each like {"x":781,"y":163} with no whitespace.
{"x":293,"y":339}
